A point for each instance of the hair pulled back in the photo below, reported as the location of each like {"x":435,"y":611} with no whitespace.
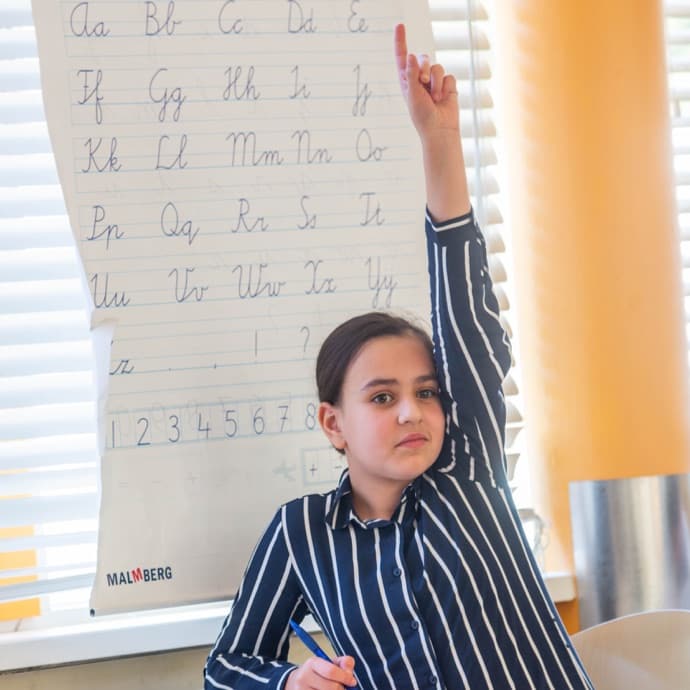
{"x":345,"y":341}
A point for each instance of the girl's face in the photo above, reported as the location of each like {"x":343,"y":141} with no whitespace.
{"x":389,"y":419}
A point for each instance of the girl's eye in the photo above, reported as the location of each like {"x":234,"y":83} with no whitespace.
{"x":382,"y":398}
{"x":427,"y":393}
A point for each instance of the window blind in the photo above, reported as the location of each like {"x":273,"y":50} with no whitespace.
{"x":48,"y":454}
{"x":677,"y":14}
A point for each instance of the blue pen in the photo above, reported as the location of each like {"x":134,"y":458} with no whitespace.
{"x":309,"y":641}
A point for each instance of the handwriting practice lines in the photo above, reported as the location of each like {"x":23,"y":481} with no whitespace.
{"x":240,"y":176}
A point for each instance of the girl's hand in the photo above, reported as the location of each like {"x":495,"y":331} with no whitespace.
{"x":430,"y":94}
{"x":319,"y":674}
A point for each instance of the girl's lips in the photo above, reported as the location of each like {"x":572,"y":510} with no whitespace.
{"x":413,"y":441}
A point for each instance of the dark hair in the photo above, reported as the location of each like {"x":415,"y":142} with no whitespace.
{"x":345,"y":341}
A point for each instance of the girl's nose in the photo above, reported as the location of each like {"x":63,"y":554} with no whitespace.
{"x":409,"y":410}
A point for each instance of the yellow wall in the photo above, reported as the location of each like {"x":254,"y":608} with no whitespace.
{"x":597,"y":262}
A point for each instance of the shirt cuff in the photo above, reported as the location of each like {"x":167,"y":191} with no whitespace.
{"x":459,"y":222}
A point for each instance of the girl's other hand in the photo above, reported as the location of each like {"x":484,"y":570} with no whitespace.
{"x":319,"y":674}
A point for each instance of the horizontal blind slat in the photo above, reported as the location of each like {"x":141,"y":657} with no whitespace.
{"x":56,"y":263}
{"x":501,"y":298}
{"x":46,"y":295}
{"x":679,"y":91}
{"x":503,"y":318}
{"x":20,"y":75}
{"x":42,"y":327}
{"x":50,"y":388}
{"x":452,"y":35}
{"x":480,"y":94}
{"x":492,"y":214}
{"x":460,"y":66}
{"x":444,"y":10}
{"x":37,"y":509}
{"x":677,"y":10}
{"x":682,"y":177}
{"x":482,"y":155}
{"x":680,"y":123}
{"x":40,"y":481}
{"x":494,"y":239}
{"x":497,"y":270}
{"x":40,"y":541}
{"x":510,"y":386}
{"x":35,"y":232}
{"x":512,"y":432}
{"x":513,"y":415}
{"x":27,"y":169}
{"x":678,"y":63}
{"x":680,"y":148}
{"x":26,"y":590}
{"x":21,"y":106}
{"x":31,"y":200}
{"x":677,"y":36}
{"x":39,"y":420}
{"x":25,"y":138}
{"x":17,"y":42}
{"x":15,"y":13}
{"x":45,"y":358}
{"x":477,"y":125}
{"x":683,"y":205}
{"x":487,"y":185}
{"x":47,"y":450}
{"x":49,"y":572}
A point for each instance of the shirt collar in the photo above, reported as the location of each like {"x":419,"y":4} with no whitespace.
{"x":341,"y":513}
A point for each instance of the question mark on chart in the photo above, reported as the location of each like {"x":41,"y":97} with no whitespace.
{"x":305,"y":330}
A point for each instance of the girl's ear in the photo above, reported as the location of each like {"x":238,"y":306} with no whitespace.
{"x":329,"y":419}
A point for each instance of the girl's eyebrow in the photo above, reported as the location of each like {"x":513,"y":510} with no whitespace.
{"x":375,"y":383}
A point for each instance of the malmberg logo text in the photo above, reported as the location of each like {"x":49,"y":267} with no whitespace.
{"x":131,"y":577}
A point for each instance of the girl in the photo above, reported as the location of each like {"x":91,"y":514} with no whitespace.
{"x":415,"y":566}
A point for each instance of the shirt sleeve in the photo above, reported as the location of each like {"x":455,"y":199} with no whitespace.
{"x":471,"y":349}
{"x":251,"y":650}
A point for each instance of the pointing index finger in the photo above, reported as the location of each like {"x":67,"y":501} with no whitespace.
{"x":400,"y":48}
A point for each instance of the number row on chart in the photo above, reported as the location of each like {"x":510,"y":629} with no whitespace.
{"x":196,"y":423}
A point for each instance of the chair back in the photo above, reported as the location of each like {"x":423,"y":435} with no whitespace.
{"x":641,"y":651}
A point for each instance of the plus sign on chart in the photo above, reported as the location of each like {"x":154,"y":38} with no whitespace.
{"x":322,"y":465}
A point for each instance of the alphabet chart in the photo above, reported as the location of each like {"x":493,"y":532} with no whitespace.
{"x":241,"y":176}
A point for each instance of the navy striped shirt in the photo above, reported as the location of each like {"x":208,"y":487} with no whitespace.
{"x":445,"y":594}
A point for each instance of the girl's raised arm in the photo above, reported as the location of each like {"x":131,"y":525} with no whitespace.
{"x":470,"y":346}
{"x":432,"y":101}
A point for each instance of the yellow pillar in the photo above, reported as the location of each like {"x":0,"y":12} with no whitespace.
{"x":597,"y":259}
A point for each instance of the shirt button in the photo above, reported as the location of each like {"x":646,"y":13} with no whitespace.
{"x":397,"y":572}
{"x":433,"y":680}
{"x":414,"y":625}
